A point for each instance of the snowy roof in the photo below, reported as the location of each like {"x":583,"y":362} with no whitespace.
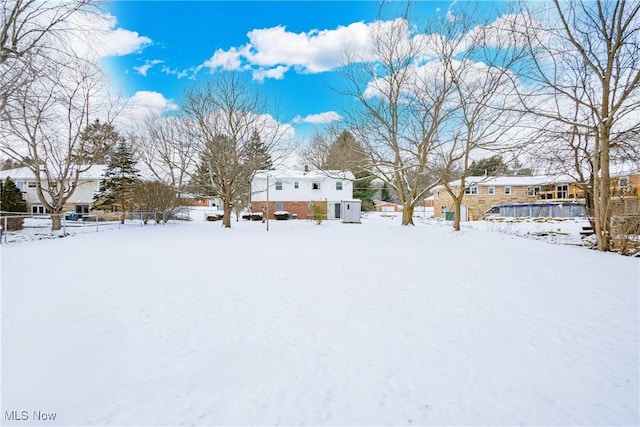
{"x":305,"y":175}
{"x":485,"y":181}
{"x":25,"y":173}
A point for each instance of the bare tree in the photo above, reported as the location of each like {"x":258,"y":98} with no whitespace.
{"x":42,"y":126}
{"x":223,"y":118}
{"x":167,"y":150}
{"x":586,"y":63}
{"x":33,"y":33}
{"x":480,"y":109}
{"x":397,"y":130}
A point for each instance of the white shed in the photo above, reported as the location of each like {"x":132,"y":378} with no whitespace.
{"x":350,"y":210}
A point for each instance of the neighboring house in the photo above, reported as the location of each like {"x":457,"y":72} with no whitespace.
{"x":482,"y":193}
{"x":625,"y":191}
{"x":195,"y":200}
{"x":294,"y":191}
{"x":80,"y":200}
{"x":382,"y":206}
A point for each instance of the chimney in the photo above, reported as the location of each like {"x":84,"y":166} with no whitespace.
{"x":306,"y":168}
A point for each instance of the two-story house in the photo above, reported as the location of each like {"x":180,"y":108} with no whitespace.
{"x":483,"y":193}
{"x":294,"y":191}
{"x":80,"y":200}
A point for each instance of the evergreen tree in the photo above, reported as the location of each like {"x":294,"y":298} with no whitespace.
{"x":257,"y":154}
{"x":11,"y":202}
{"x":363,"y":190}
{"x":385,"y":196}
{"x":98,"y":142}
{"x":120,"y":177}
{"x":345,"y":153}
{"x":491,"y":166}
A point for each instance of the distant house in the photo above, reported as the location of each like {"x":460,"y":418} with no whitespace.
{"x":382,"y":206}
{"x":294,"y":191}
{"x":625,"y":191}
{"x":483,"y":193}
{"x":80,"y":200}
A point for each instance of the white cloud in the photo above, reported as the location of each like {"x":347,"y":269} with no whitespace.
{"x":322,"y":118}
{"x":96,"y":36}
{"x":271,"y":52}
{"x":143,"y":69}
{"x":271,"y":73}
{"x":142,"y":104}
{"x":190,"y":72}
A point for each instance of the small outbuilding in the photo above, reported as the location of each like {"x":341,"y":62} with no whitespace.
{"x":350,"y":211}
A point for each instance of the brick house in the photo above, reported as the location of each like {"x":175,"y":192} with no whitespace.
{"x":294,"y":191}
{"x":484,"y":192}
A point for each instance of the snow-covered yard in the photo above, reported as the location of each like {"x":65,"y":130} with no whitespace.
{"x":337,"y":324}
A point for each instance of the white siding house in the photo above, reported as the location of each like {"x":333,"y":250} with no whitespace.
{"x":80,"y":200}
{"x":295,"y":190}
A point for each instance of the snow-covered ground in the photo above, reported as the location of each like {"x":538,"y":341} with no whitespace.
{"x":338,"y":324}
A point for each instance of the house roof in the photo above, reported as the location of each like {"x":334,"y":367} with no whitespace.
{"x":302,"y":175}
{"x":25,"y":173}
{"x":485,"y":181}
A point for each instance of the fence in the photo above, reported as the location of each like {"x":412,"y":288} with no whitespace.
{"x":36,"y":227}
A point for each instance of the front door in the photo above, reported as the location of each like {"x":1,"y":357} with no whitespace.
{"x":337,"y":211}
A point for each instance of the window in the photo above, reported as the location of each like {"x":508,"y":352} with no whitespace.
{"x":339,"y":185}
{"x":533,"y":190}
{"x":20,"y":185}
{"x":82,"y":209}
{"x":278,"y":185}
{"x":278,"y":206}
{"x":315,"y":185}
{"x":563,"y":191}
{"x":471,"y":190}
{"x":32,"y":184}
{"x":38,"y":210}
{"x":492,"y":190}
{"x":507,"y":190}
{"x":623,"y":182}
{"x":296,"y":185}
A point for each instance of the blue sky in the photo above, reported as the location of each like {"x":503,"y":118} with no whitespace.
{"x":289,"y":49}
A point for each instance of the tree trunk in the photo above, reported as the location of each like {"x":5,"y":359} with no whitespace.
{"x":56,"y":220}
{"x":226,"y":219}
{"x":407,"y":215}
{"x":604,"y":237}
{"x":456,"y":211}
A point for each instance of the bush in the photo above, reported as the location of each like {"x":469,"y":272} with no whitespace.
{"x":281,"y":215}
{"x":318,"y":213}
{"x":13,"y":224}
{"x":11,"y":201}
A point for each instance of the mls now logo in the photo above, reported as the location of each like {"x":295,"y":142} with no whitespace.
{"x":26,"y":415}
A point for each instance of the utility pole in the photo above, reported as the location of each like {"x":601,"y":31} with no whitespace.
{"x":267,"y":210}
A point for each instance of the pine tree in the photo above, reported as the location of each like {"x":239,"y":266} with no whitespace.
{"x":98,"y":142}
{"x":257,"y":154}
{"x":11,"y":202}
{"x":363,"y":190}
{"x":120,"y":178}
{"x":385,"y":196}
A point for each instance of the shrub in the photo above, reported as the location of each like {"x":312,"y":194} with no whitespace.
{"x":318,"y":213}
{"x":11,"y":201}
{"x":281,"y":215}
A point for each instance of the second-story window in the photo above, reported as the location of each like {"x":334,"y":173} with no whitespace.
{"x":279,"y":185}
{"x":339,"y":185}
{"x":507,"y":190}
{"x":315,"y":185}
{"x":471,"y":190}
{"x":492,"y":190}
{"x":296,"y":185}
